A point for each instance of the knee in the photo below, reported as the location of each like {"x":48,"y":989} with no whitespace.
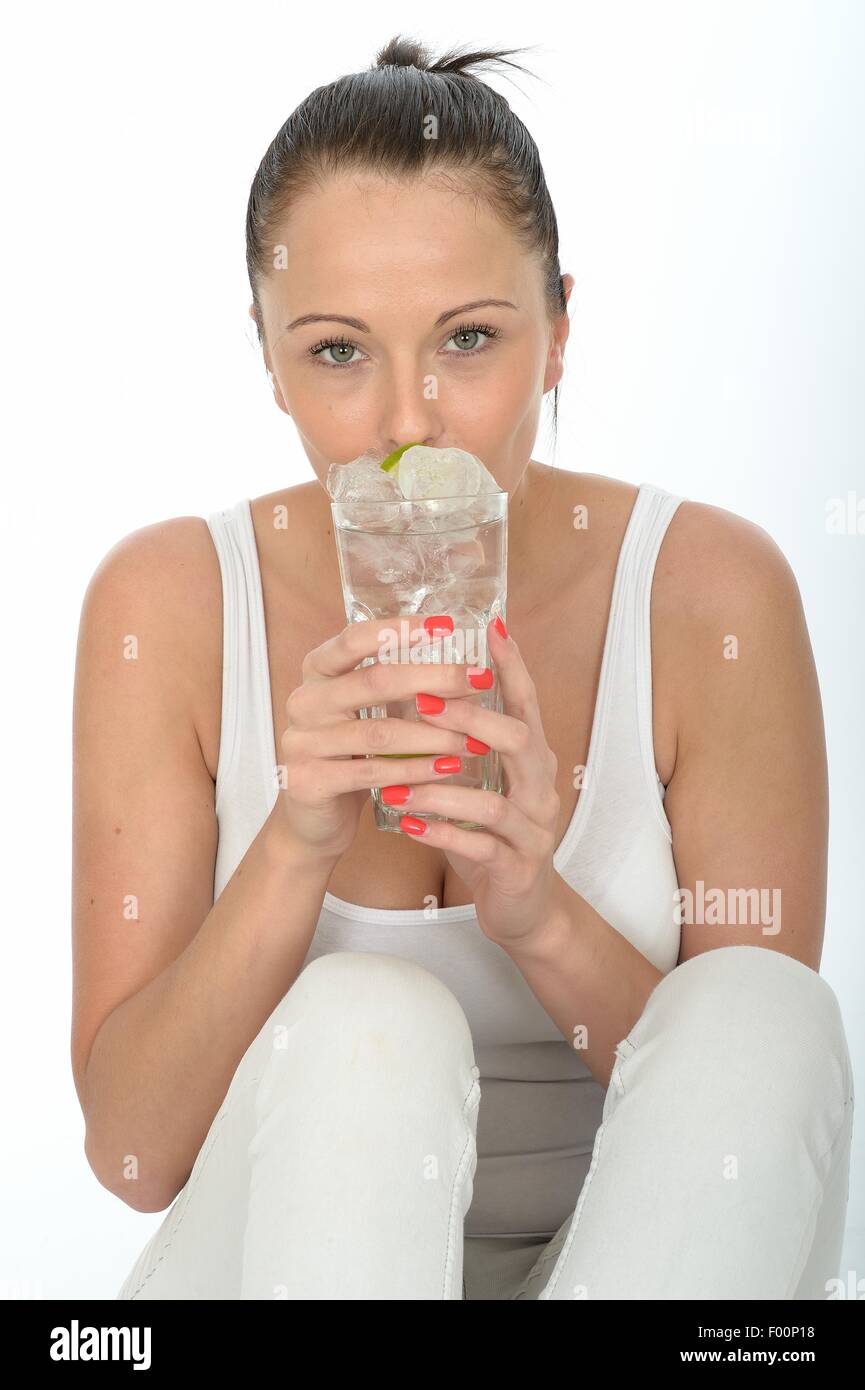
{"x":759,"y":1015}
{"x":353,"y":1016}
{"x":387,"y":992}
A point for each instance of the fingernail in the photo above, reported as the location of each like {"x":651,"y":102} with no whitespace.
{"x":395,"y":796}
{"x":439,"y":624}
{"x":413,"y":825}
{"x":475,"y":745}
{"x":447,"y":765}
{"x":481,"y":677}
{"x":428,"y":704}
{"x":500,"y":628}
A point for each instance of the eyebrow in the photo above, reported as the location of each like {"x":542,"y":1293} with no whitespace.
{"x":364,"y":328}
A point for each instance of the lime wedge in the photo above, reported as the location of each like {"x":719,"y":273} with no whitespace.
{"x":393,"y":459}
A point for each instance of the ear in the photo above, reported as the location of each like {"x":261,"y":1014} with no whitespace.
{"x":556,"y":356}
{"x":277,"y":390}
{"x":274,"y":384}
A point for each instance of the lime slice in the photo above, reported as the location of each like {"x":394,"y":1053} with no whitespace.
{"x":393,"y":459}
{"x":432,"y":474}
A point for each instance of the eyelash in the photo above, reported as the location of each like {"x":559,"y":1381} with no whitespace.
{"x":485,"y":328}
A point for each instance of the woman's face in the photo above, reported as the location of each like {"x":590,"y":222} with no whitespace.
{"x":403,"y":260}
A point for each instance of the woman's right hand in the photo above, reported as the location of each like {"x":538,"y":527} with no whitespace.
{"x":325,"y":773}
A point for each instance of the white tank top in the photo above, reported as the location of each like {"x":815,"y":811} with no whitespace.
{"x":540,"y":1105}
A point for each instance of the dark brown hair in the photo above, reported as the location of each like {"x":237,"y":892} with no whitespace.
{"x":376,"y":119}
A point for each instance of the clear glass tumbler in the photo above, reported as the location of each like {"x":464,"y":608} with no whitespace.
{"x":401,"y":562}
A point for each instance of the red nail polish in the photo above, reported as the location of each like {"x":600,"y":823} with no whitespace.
{"x":500,"y":627}
{"x":476,"y":745}
{"x":447,"y":765}
{"x":413,"y":825}
{"x":439,"y":624}
{"x":428,"y":704}
{"x":394,"y":796}
{"x":481,"y":677}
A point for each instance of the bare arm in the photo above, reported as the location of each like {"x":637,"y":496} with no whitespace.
{"x":747,"y":802}
{"x":159,"y":1020}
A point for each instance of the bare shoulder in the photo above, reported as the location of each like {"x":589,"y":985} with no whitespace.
{"x":161,"y":584}
{"x":171,"y":562}
{"x":712,"y":564}
{"x":712,"y":560}
{"x":158,"y":554}
{"x":724,"y":598}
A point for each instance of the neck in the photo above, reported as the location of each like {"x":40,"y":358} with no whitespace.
{"x":530,"y":516}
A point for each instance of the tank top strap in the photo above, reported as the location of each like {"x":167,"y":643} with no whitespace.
{"x":660,"y":508}
{"x":246,"y":753}
{"x":624,"y":761}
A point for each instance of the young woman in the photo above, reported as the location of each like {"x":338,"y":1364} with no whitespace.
{"x":565,"y":1055}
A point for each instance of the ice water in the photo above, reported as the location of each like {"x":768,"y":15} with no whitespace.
{"x":403,"y":562}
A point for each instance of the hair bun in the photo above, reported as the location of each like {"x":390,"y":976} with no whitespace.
{"x":411,"y":53}
{"x":403,"y":53}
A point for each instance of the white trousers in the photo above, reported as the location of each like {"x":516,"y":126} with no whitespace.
{"x":340,"y":1165}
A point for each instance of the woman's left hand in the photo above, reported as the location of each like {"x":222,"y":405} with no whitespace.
{"x":508,"y":867}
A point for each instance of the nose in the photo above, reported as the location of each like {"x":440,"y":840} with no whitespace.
{"x":409,"y":411}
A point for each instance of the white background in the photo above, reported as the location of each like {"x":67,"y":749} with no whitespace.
{"x":706,"y":164}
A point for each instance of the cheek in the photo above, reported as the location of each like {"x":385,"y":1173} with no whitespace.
{"x":501,"y":395}
{"x":330,"y":417}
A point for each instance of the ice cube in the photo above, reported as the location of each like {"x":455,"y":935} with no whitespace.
{"x":362,"y":480}
{"x":425,"y":473}
{"x":385,"y":559}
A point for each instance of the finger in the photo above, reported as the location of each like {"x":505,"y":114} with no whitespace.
{"x":334,"y":776}
{"x":383,"y":738}
{"x":498,"y":814}
{"x":475,"y":845}
{"x":393,"y":636}
{"x":382,"y":683}
{"x":502,"y":732}
{"x":519,"y":696}
{"x":526,"y":762}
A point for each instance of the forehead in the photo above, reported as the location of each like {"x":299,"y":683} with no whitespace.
{"x":409,"y":241}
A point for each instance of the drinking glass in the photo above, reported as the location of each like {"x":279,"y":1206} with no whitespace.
{"x":404,"y":561}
